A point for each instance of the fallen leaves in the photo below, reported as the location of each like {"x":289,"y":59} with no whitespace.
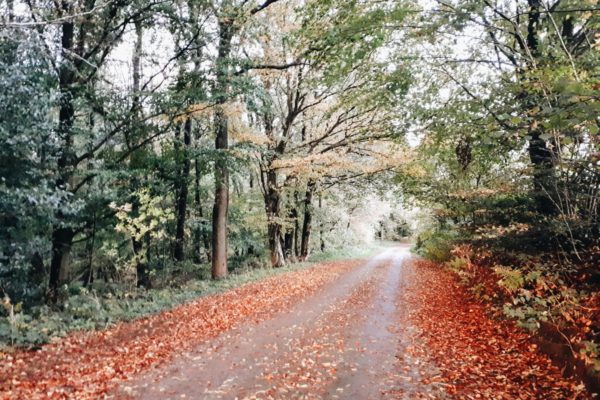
{"x":447,"y":344}
{"x":86,"y":365}
{"x":479,"y":358}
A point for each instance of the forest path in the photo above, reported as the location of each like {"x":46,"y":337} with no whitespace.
{"x":346,"y":341}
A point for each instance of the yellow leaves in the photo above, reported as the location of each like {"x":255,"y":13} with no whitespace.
{"x":478,"y":193}
{"x":306,"y":162}
{"x":151,"y":216}
{"x":198,"y":110}
{"x":246,"y":134}
{"x":414,"y":171}
{"x":124,"y":208}
{"x":596,"y":44}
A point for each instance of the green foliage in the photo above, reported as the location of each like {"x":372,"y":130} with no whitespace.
{"x":28,"y":199}
{"x":436,"y":245}
{"x":339,"y":35}
{"x":590,"y":352}
{"x":457,"y":264}
{"x":511,"y":279}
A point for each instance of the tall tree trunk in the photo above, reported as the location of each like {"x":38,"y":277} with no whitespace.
{"x":321,"y":225}
{"x":539,"y":154}
{"x":141,"y":257}
{"x":272,"y":205}
{"x":221,"y":205}
{"x":201,"y":235}
{"x":136,"y":62}
{"x":307,"y":223}
{"x":296,"y":226}
{"x":62,"y":239}
{"x":182,"y":193}
{"x":275,"y":250}
{"x":197,"y":201}
{"x":91,"y":245}
{"x":10,"y":8}
{"x":544,"y":182}
{"x":288,"y":241}
{"x":62,"y":236}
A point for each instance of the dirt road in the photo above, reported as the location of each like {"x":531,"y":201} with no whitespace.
{"x":389,"y":328}
{"x":346,"y":341}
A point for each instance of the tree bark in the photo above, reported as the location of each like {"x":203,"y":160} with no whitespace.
{"x":272,"y":207}
{"x":136,"y":62}
{"x":544,"y":183}
{"x":197,"y":201}
{"x":182,"y":193}
{"x":10,"y":8}
{"x":201,"y":236}
{"x":321,"y":226}
{"x":138,"y":243}
{"x":296,"y":226}
{"x":141,"y":265}
{"x":540,"y":155}
{"x":307,"y":223}
{"x":62,"y":236}
{"x":290,"y":234}
{"x":62,"y":239}
{"x":221,"y":205}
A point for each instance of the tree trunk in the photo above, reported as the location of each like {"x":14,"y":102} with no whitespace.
{"x":290,"y":234}
{"x":197,"y":229}
{"x":62,"y":237}
{"x":141,"y":265}
{"x":272,"y":204}
{"x":220,"y":209}
{"x":182,"y":193}
{"x":221,"y":205}
{"x":296,"y":227}
{"x":321,"y":226}
{"x":539,"y":154}
{"x":137,"y":68}
{"x":201,"y":235}
{"x":275,"y":250}
{"x":307,"y":224}
{"x":10,"y":8}
{"x":543,"y":174}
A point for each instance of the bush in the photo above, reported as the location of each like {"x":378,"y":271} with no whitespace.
{"x":436,"y":245}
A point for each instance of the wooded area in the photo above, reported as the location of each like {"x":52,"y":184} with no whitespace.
{"x":148,"y":144}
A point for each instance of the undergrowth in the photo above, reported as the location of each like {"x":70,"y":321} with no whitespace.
{"x":535,"y":293}
{"x":101,"y":305}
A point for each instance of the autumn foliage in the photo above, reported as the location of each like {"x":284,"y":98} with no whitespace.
{"x":86,"y":365}
{"x":477,"y":356}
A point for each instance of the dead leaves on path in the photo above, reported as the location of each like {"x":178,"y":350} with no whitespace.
{"x":86,"y":365}
{"x":310,"y":366}
{"x":478,"y":358}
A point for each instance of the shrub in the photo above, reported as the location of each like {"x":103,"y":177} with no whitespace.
{"x":436,"y":245}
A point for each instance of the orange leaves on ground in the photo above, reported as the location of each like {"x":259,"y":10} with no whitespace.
{"x":479,"y":357}
{"x":86,"y":365}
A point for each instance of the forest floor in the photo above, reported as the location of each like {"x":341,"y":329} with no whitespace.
{"x":385,"y":328}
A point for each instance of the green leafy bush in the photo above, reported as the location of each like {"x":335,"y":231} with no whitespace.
{"x":436,"y":245}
